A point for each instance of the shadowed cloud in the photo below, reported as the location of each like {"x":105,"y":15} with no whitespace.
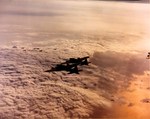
{"x":124,"y":63}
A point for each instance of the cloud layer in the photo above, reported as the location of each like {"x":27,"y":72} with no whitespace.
{"x":124,"y":63}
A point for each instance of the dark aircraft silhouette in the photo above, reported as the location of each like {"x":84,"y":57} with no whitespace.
{"x":70,"y":65}
{"x":148,"y":56}
{"x":78,"y":61}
